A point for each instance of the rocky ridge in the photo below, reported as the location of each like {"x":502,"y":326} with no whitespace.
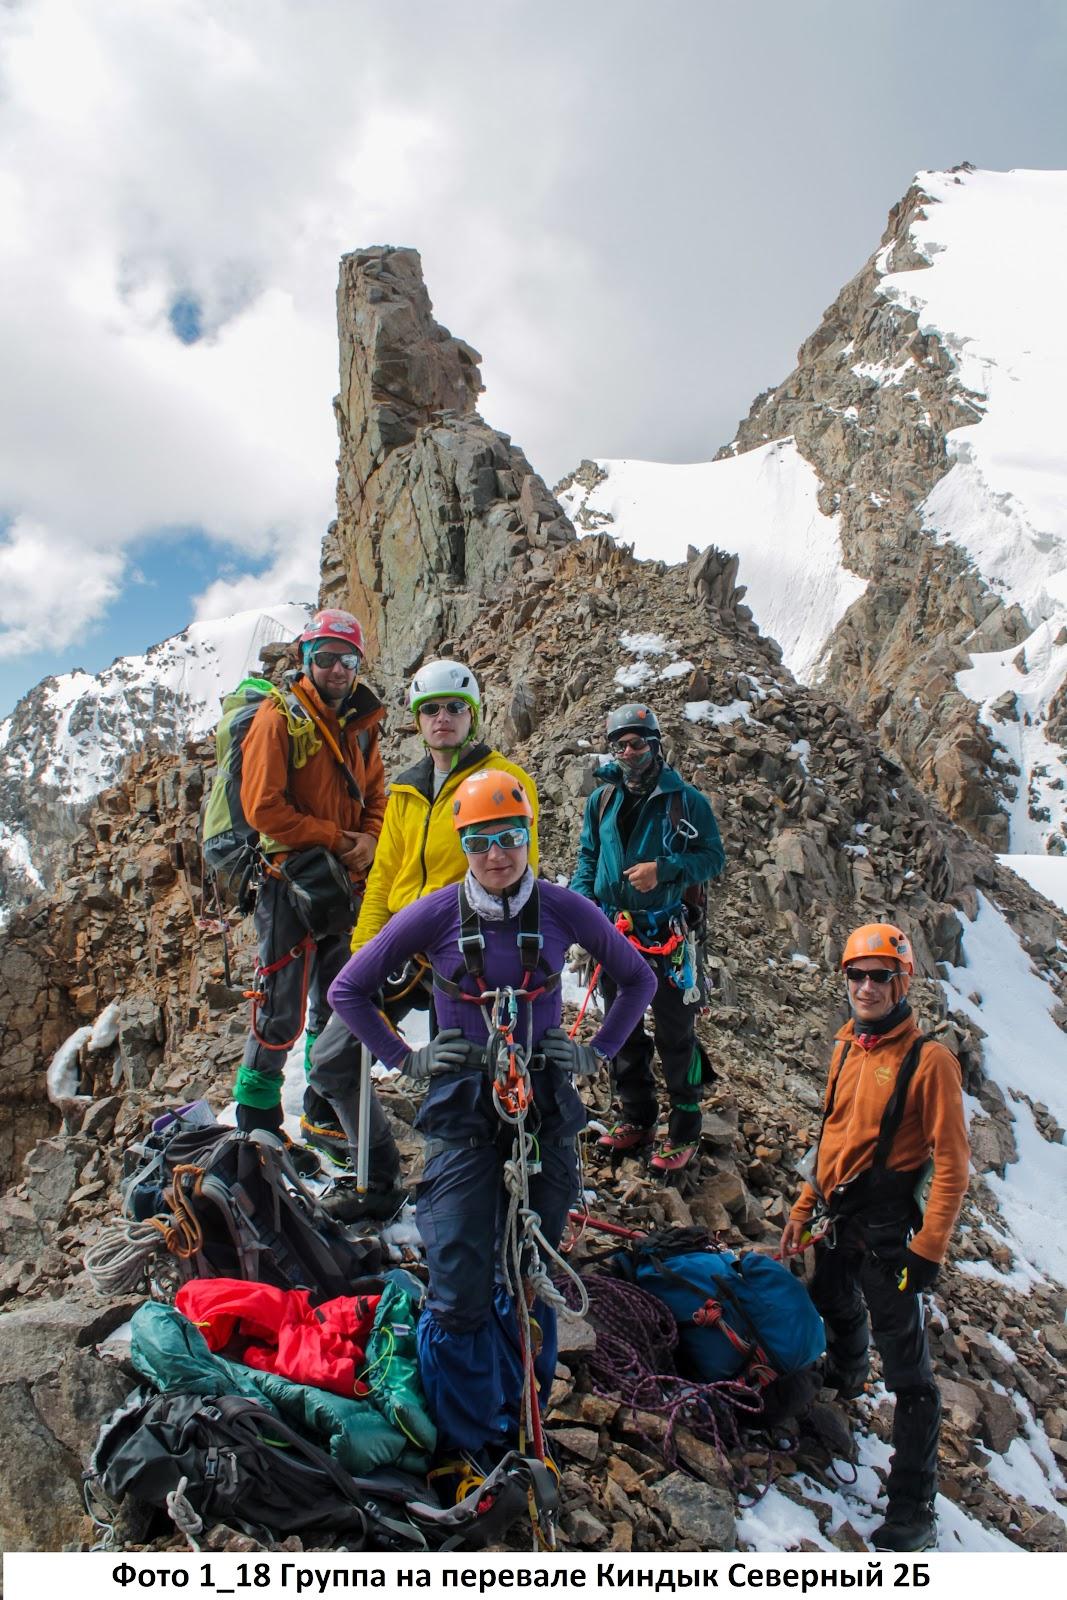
{"x":796,"y":784}
{"x":878,"y":445}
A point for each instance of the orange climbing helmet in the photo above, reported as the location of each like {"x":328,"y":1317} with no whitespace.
{"x":489,"y":796}
{"x":879,"y":939}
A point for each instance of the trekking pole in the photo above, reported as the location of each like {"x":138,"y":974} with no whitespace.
{"x":363,"y":1143}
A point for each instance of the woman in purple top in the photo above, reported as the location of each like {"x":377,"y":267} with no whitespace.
{"x":516,"y":932}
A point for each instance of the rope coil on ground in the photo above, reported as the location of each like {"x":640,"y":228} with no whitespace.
{"x":119,"y":1260}
{"x":636,"y":1339}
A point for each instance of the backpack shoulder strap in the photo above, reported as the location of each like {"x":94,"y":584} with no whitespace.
{"x":836,"y":1063}
{"x":603,"y":801}
{"x":529,"y":936}
{"x":471,"y":937}
{"x":893,"y":1114}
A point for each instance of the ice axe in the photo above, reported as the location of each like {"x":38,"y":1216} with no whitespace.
{"x":363,"y":1141}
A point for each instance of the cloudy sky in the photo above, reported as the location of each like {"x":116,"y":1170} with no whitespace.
{"x":636,"y":212}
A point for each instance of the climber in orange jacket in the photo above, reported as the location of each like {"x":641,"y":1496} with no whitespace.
{"x":894,"y":1104}
{"x":307,"y":780}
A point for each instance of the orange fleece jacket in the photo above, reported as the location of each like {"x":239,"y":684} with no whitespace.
{"x":933,"y":1125}
{"x":298,"y":807}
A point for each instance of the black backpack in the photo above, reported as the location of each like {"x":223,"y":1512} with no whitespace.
{"x":223,"y":1458}
{"x":236,"y":1208}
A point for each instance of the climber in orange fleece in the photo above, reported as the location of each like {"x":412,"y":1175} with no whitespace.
{"x":893,"y":1104}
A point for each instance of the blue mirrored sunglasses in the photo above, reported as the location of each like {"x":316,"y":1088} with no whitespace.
{"x":476,"y":844}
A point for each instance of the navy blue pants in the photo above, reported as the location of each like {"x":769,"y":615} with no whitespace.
{"x":468,"y":1335}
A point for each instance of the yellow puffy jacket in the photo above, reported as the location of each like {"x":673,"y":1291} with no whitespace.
{"x":418,"y":849}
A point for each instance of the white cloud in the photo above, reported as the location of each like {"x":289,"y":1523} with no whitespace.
{"x":594,"y":213}
{"x":35,"y":609}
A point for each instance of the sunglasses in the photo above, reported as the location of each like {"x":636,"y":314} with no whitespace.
{"x":638,"y":746}
{"x":325,"y":660}
{"x":476,"y":844}
{"x":430,"y":708}
{"x":856,"y":976}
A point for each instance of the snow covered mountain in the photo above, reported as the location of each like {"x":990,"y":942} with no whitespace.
{"x":67,"y":738}
{"x":899,"y":502}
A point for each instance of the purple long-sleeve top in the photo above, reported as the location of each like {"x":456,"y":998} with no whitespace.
{"x":431,"y":926}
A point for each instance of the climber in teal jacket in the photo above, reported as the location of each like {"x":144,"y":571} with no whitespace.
{"x":648,"y":836}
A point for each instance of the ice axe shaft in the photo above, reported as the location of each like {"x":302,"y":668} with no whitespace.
{"x":363,"y":1143}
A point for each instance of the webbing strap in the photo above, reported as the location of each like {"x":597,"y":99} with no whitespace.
{"x":472,"y":949}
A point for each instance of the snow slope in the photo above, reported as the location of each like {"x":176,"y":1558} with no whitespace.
{"x":996,"y":242}
{"x":763,"y":506}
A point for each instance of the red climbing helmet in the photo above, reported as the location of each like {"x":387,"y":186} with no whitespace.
{"x":339,"y":625}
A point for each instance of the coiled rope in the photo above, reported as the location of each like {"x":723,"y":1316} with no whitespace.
{"x":119,"y":1260}
{"x":636,"y":1337}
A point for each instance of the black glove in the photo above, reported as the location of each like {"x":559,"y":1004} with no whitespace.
{"x":449,"y":1052}
{"x":917,"y":1273}
{"x":566,"y":1053}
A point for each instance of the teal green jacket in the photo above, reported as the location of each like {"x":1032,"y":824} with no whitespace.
{"x":689,"y":853}
{"x":391,"y":1428}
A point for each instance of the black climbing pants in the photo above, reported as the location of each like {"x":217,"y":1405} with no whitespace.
{"x":859,"y":1277}
{"x":685,"y":1066}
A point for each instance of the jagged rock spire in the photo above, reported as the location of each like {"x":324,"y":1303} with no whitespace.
{"x":434,"y":506}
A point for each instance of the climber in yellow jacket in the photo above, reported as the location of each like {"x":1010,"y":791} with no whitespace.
{"x":418,"y":851}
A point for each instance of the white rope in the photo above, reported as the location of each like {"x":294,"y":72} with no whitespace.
{"x":183,"y":1515}
{"x":118,"y":1261}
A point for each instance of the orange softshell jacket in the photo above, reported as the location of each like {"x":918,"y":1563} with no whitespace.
{"x":292,"y":787}
{"x":933,"y":1125}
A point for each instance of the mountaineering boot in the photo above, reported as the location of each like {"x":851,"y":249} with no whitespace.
{"x":345,"y":1204}
{"x":326,"y":1135}
{"x":623,"y":1138}
{"x":305,"y":1162}
{"x":268,"y":1118}
{"x":909,"y":1525}
{"x":848,"y":1381}
{"x":672,"y":1158}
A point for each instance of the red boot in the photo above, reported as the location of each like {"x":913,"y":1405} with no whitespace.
{"x":674,"y":1157}
{"x":624,"y":1138}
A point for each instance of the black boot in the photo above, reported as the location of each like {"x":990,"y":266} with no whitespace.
{"x":380,"y":1203}
{"x":909,"y":1525}
{"x":269,"y":1118}
{"x":848,"y":1381}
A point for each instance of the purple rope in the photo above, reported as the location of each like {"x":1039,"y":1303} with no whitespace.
{"x":636,"y":1337}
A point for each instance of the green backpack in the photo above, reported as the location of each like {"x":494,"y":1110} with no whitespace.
{"x":230,"y":845}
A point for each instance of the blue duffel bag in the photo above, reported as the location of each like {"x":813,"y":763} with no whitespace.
{"x":743,"y":1315}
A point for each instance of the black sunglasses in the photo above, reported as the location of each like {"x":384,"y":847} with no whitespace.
{"x":637,"y":745}
{"x":326,"y":660}
{"x":856,"y":975}
{"x":430,"y":708}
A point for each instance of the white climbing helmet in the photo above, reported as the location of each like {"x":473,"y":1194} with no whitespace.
{"x":449,"y":680}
